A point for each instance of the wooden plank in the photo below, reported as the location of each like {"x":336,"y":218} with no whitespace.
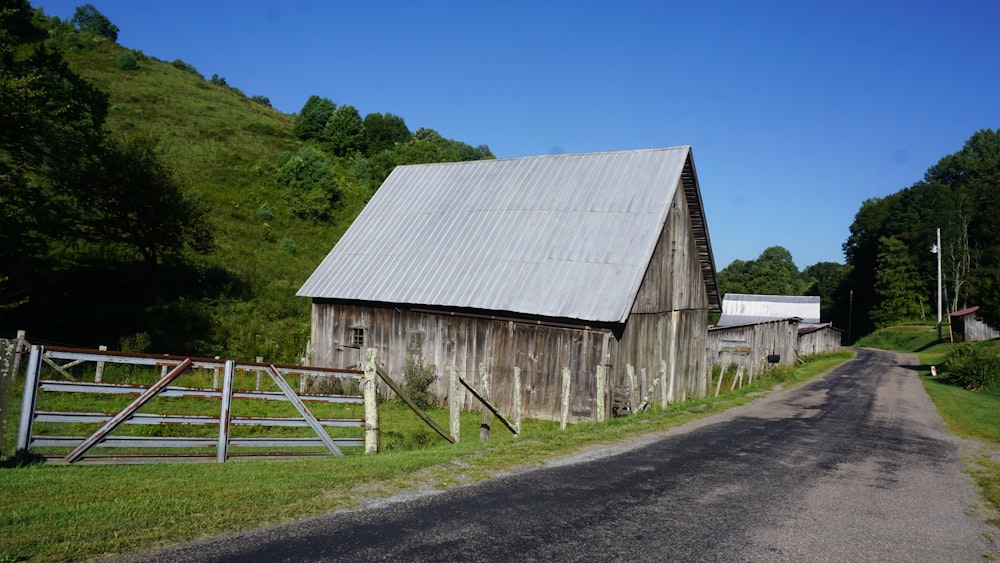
{"x":409,"y":402}
{"x":487,"y":404}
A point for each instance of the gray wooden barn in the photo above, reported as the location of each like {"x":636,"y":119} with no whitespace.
{"x":968,"y":326}
{"x":758,"y":330}
{"x":592,"y":263}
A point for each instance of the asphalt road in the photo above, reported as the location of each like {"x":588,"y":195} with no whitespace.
{"x":854,"y":466}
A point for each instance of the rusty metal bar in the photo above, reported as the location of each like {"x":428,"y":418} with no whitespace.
{"x":222,"y":447}
{"x":303,"y":410}
{"x":174,"y":391}
{"x":128,"y":411}
{"x":28,"y":400}
{"x":193,"y":442}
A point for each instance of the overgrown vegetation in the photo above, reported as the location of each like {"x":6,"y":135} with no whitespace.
{"x":975,"y":367}
{"x":58,"y":513}
{"x":418,"y":376}
{"x":85,"y":264}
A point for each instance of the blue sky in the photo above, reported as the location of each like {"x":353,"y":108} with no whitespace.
{"x":796,"y":111}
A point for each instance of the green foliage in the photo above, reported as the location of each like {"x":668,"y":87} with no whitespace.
{"x":772,"y":273}
{"x":88,"y":18}
{"x":262,"y":100}
{"x":418,"y":377}
{"x":973,"y":367}
{"x":957,"y":195}
{"x":344,"y":132}
{"x":135,"y":200}
{"x":179,"y":64}
{"x":383,"y":132}
{"x":128,"y":61}
{"x":312,"y":118}
{"x":897,"y":285}
{"x":308,"y":180}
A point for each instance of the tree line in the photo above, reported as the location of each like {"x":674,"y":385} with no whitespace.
{"x":890,"y":270}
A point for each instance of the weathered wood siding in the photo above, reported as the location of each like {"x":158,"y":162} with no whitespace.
{"x":666,"y":331}
{"x":541,"y":352}
{"x":664,"y":336}
{"x":819,"y":341}
{"x":750,"y":345}
{"x":969,"y":328}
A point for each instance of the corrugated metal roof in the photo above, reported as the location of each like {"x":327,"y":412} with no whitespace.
{"x":742,"y":309}
{"x":562,"y":236}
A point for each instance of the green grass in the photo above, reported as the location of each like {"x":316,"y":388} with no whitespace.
{"x":58,"y":513}
{"x":967,"y":414}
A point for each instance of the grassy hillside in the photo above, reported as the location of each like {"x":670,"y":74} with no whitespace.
{"x":236,"y":301}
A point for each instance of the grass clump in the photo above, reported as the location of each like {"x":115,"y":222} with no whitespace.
{"x":973,"y":367}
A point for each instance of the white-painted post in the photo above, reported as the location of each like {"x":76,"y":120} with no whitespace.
{"x":669,"y":396}
{"x":99,"y":370}
{"x":643,"y":382}
{"x":632,"y":395}
{"x":517,"y":401}
{"x":215,"y":376}
{"x":371,"y":403}
{"x":601,"y":415}
{"x":722,"y":375}
{"x":260,"y":373}
{"x":20,"y":347}
{"x":484,"y":427}
{"x":303,"y":378}
{"x":566,"y":377}
{"x":454,"y":406}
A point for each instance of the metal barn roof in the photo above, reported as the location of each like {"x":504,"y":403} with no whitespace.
{"x":561,"y":236}
{"x":744,"y":309}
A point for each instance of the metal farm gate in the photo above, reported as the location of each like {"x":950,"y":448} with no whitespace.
{"x":164,"y":421}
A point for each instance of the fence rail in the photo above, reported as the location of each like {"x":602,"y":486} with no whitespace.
{"x":174,"y":367}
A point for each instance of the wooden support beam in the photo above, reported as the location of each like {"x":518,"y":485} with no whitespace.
{"x":409,"y":402}
{"x":488,"y":405}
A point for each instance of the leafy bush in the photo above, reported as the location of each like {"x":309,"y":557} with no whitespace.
{"x":417,"y":380}
{"x":178,"y":63}
{"x":975,"y":368}
{"x":128,"y":61}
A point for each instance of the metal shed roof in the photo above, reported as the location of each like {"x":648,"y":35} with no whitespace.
{"x":561,"y":236}
{"x":743,"y":309}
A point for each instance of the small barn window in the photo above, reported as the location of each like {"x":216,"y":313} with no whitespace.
{"x":415,"y":343}
{"x":358,"y":337}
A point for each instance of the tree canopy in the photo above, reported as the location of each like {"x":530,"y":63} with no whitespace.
{"x":959,"y":195}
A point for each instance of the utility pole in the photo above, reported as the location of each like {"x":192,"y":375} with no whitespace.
{"x":936,"y":249}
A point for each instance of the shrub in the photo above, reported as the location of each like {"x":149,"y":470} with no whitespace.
{"x":975,"y":368}
{"x":417,"y":379}
{"x":128,"y":61}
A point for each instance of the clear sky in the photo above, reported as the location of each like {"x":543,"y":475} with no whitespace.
{"x":796,"y":111}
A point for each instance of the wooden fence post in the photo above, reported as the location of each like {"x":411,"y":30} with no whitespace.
{"x":20,"y":346}
{"x":517,"y":400}
{"x":215,"y":376}
{"x":484,"y":427}
{"x":630,"y":373}
{"x":454,"y":406}
{"x":371,"y":403}
{"x":566,"y":376}
{"x":260,"y":373}
{"x":99,"y":370}
{"x":600,"y":394}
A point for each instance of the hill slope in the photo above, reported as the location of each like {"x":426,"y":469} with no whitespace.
{"x":224,"y":148}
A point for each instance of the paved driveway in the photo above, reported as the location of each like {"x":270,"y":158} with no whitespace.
{"x":854,"y":466}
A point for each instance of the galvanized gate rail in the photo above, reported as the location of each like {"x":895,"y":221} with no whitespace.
{"x":175,"y":366}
